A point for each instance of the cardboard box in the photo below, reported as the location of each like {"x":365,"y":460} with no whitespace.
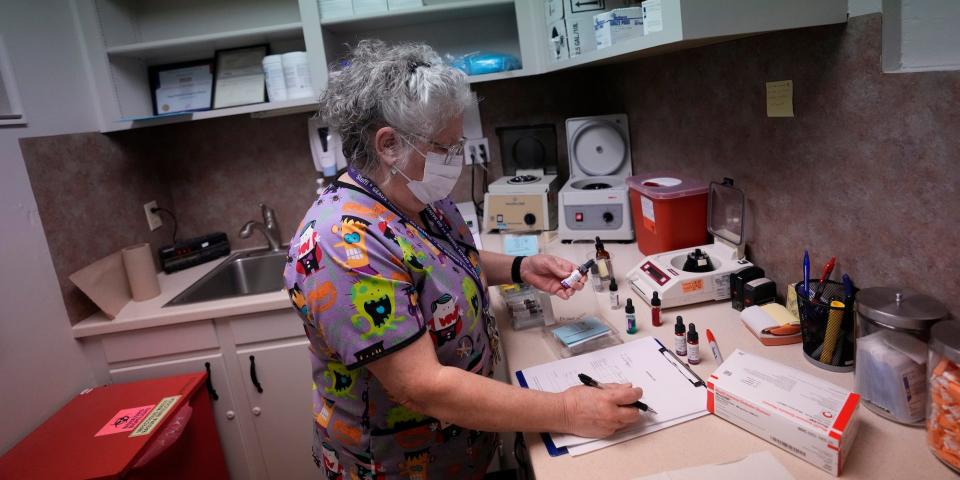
{"x":580,"y":36}
{"x":573,"y":7}
{"x":557,"y":9}
{"x":557,"y":40}
{"x":652,"y":16}
{"x":368,"y":7}
{"x":553,"y":9}
{"x":335,"y":8}
{"x":617,"y":25}
{"x":573,"y":21}
{"x":402,"y":4}
{"x":802,"y":414}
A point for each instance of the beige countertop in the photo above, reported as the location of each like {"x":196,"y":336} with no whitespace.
{"x":151,"y":313}
{"x":882,"y":449}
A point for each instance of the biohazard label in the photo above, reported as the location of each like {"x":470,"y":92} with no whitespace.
{"x":649,"y":217}
{"x":691,"y":286}
{"x":125,"y":420}
{"x":155,"y":416}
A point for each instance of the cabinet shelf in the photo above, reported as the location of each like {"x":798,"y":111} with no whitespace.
{"x":208,"y":42}
{"x":123,"y":38}
{"x":266,"y":109}
{"x":488,"y":77}
{"x":426,"y":14}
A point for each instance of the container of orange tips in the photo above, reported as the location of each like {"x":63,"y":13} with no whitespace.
{"x":943,"y":401}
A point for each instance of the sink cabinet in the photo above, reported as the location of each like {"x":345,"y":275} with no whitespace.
{"x":266,"y":432}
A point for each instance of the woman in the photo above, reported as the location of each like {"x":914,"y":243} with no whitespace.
{"x":392,"y":290}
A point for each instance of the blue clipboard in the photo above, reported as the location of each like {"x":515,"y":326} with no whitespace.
{"x":547,"y":441}
{"x":684,"y":370}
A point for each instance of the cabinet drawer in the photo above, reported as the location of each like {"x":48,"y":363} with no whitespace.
{"x":258,"y":327}
{"x":153,"y":342}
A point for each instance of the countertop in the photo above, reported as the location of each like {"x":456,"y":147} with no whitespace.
{"x":882,"y":449}
{"x":151,"y":313}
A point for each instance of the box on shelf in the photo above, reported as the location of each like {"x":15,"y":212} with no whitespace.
{"x":402,"y":4}
{"x":557,"y":9}
{"x":571,"y":36}
{"x":553,"y":9}
{"x":335,"y":8}
{"x":580,"y":36}
{"x":617,"y":25}
{"x":802,"y":414}
{"x":570,"y":25}
{"x":557,"y":40}
{"x":367,"y":7}
{"x":652,"y":16}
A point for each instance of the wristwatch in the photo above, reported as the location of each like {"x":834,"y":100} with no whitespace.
{"x":515,"y":269}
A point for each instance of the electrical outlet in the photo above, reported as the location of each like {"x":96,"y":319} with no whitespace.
{"x":153,"y":220}
{"x":476,"y":150}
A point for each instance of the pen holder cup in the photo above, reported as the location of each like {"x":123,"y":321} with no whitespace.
{"x":828,"y":331}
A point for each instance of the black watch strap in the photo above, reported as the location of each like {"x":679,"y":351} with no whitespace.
{"x":515,"y":269}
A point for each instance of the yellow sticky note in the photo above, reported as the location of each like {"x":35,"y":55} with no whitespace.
{"x":780,"y":98}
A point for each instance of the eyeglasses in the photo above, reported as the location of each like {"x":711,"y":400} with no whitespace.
{"x":451,"y":151}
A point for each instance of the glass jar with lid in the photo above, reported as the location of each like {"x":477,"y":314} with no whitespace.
{"x":893,"y":327}
{"x":943,"y":405}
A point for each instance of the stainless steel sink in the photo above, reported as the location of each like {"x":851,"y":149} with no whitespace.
{"x":243,"y":273}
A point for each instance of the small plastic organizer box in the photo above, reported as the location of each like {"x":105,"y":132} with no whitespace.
{"x":528,"y":307}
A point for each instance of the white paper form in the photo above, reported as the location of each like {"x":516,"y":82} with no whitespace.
{"x":669,"y":387}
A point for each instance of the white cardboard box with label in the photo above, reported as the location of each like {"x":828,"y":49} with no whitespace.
{"x":804,"y":415}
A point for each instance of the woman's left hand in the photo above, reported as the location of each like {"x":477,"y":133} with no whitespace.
{"x":545,"y":272}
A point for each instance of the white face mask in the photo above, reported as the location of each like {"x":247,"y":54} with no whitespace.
{"x":440,"y":174}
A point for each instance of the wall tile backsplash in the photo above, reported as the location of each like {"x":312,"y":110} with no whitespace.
{"x":868,"y":170}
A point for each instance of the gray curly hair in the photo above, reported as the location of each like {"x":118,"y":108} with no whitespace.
{"x":404,"y":86}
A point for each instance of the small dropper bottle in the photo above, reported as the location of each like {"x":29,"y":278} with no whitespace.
{"x":655,"y":310}
{"x":631,"y":317}
{"x":693,"y":345}
{"x":680,"y":338}
{"x":614,"y":294}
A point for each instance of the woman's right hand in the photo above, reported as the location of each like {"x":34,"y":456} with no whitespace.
{"x":596,"y":412}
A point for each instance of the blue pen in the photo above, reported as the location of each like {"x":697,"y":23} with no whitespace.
{"x":806,"y":274}
{"x":847,"y":289}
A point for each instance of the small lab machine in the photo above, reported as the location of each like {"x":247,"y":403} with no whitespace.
{"x":594,"y":202}
{"x":525,"y":200}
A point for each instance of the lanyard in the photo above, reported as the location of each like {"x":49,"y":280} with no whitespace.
{"x":460,"y":258}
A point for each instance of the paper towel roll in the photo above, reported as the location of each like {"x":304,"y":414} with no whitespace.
{"x":141,"y":271}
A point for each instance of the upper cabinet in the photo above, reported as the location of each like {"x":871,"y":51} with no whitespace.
{"x":123,"y":38}
{"x":693,"y":23}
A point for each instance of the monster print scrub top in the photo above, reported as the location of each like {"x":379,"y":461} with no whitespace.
{"x":366,"y":283}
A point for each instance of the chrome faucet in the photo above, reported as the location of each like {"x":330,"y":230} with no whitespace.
{"x":268,"y":227}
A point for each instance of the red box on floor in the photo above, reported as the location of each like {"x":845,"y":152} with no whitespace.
{"x":152,"y":429}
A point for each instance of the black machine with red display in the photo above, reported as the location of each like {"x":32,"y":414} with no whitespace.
{"x":188,"y":253}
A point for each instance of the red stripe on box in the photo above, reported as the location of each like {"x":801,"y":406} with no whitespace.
{"x":710,"y":397}
{"x":834,"y":435}
{"x":831,"y":447}
{"x":714,"y":377}
{"x":846,"y":412}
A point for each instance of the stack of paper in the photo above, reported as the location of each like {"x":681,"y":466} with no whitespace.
{"x":577,"y":333}
{"x":669,"y":387}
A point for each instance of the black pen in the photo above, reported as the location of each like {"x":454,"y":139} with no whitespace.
{"x":586,"y":380}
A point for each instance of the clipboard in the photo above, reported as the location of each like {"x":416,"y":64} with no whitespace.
{"x":674,"y":378}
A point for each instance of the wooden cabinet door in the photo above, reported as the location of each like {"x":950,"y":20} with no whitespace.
{"x":278,"y":385}
{"x":227,"y":417}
